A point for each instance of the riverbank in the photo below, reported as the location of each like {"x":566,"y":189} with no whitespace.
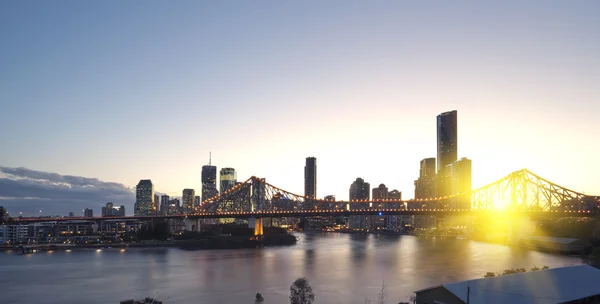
{"x":213,"y":242}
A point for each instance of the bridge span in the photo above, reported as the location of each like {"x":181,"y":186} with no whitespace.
{"x":311,"y":213}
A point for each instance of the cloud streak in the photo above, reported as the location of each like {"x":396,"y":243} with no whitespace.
{"x":29,"y":191}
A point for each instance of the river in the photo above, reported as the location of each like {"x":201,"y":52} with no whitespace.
{"x":342,"y":268}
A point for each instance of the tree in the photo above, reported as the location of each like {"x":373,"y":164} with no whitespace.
{"x":301,"y":292}
{"x":382,"y":294}
{"x":259,"y":299}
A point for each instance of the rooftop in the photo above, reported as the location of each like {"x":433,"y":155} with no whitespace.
{"x":555,"y":285}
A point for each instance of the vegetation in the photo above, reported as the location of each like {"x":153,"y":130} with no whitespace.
{"x":259,"y":299}
{"x":578,"y":228}
{"x":155,"y":229}
{"x":301,"y":292}
{"x":512,"y":271}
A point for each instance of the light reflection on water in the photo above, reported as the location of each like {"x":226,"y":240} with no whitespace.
{"x":342,"y":268}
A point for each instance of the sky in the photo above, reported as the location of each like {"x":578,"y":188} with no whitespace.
{"x":118,"y":91}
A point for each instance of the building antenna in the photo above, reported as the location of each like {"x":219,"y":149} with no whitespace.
{"x":209,"y":158}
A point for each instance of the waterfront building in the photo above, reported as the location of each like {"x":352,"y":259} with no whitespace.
{"x":164,"y":204}
{"x":447,"y":148}
{"x":188,"y":200}
{"x":396,"y":222}
{"x":111,"y":210}
{"x":379,"y":193}
{"x":228,"y":179}
{"x":359,"y":191}
{"x":88,"y":212}
{"x":13,"y":234}
{"x":144,"y":197}
{"x":120,"y":226}
{"x":209,"y":182}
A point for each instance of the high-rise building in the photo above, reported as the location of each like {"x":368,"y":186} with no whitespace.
{"x":459,"y":179}
{"x":447,"y":148}
{"x":71,"y":214}
{"x":379,"y":193}
{"x":111,"y":210}
{"x":188,"y":200}
{"x":88,"y":212}
{"x":164,"y":204}
{"x":197,"y":201}
{"x":228,"y":179}
{"x":425,"y":184}
{"x":310,"y":177}
{"x":209,"y":182}
{"x":395,"y":222}
{"x":144,"y":197}
{"x":359,"y":190}
{"x":156,"y":203}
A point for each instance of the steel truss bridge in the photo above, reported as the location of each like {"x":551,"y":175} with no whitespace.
{"x":521,"y":192}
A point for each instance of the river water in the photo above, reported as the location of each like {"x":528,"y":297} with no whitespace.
{"x":341,"y":268}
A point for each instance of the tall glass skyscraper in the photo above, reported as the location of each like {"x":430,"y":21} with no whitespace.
{"x":310,"y":177}
{"x":144,"y":197}
{"x":228,"y":179}
{"x":209,"y":182}
{"x":447,"y":147}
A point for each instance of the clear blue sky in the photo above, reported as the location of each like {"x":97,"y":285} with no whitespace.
{"x":128,"y":90}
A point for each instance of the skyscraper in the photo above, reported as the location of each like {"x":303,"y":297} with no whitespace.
{"x":310,"y":177}
{"x":425,"y":184}
{"x":447,"y":147}
{"x":197,"y":201}
{"x":144,"y":195}
{"x":88,"y":212}
{"x":188,"y":200}
{"x":156,"y":203}
{"x":228,"y":179}
{"x":359,"y":190}
{"x":379,"y":193}
{"x":209,"y":181}
{"x":164,"y":204}
{"x":459,"y":180}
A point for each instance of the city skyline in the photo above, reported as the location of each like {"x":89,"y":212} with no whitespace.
{"x":361,"y":96}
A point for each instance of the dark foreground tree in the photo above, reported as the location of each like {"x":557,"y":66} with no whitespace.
{"x":301,"y":292}
{"x":259,"y":299}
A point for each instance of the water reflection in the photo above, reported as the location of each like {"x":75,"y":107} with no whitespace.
{"x":342,"y":268}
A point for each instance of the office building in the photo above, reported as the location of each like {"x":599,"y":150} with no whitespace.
{"x":188,"y":200}
{"x":396,"y":222}
{"x":88,"y":212}
{"x":425,"y":184}
{"x":359,"y":190}
{"x":71,"y":214}
{"x":379,"y":193}
{"x":197,"y":201}
{"x":156,"y":203}
{"x":310,"y":177}
{"x":144,"y":197}
{"x":447,"y":148}
{"x":228,"y":179}
{"x":111,"y":210}
{"x":459,"y":179}
{"x":164,"y":204}
{"x":209,"y":182}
